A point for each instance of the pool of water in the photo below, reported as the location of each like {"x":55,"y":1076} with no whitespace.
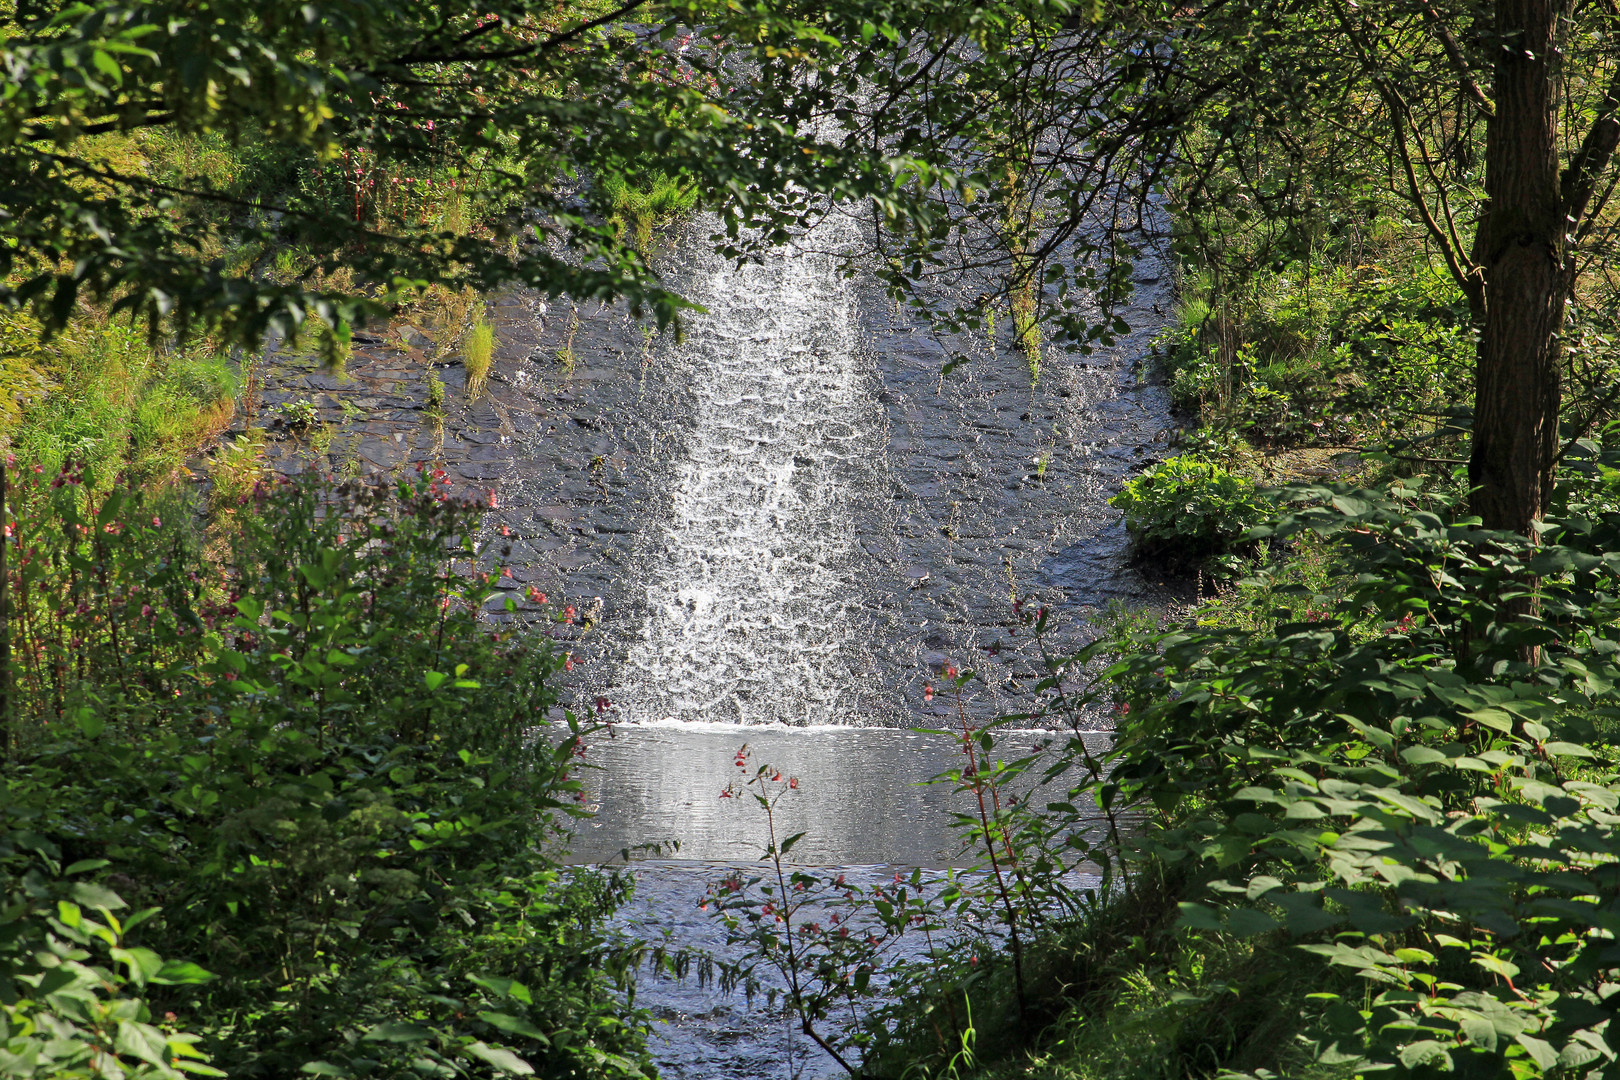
{"x":864,"y":803}
{"x":864,"y":795}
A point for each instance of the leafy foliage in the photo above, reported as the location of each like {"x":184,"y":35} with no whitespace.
{"x":1390,"y":787}
{"x":327,"y":775}
{"x":1321,"y":354}
{"x":403,"y":146}
{"x":1188,"y":507}
{"x":71,"y":988}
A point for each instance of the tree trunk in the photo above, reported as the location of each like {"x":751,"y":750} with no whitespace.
{"x":1522,"y":245}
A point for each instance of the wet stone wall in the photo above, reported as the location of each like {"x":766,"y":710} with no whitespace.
{"x":929,"y":499}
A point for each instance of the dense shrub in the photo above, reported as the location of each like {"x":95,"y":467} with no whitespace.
{"x":331,"y":779}
{"x":1186,"y":507}
{"x":71,"y":992}
{"x":1405,"y":789}
{"x":1321,"y":355}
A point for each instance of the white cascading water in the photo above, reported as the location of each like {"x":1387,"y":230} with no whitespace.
{"x":749,"y":599}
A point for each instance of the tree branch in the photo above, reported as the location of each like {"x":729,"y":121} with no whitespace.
{"x":1465,"y":78}
{"x":1597,"y":149}
{"x":560,"y":38}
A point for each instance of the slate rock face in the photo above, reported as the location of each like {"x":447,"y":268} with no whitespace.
{"x":951,"y":494}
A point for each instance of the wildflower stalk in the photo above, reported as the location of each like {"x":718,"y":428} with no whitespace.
{"x":1095,"y":777}
{"x":1015,"y":943}
{"x":793,"y":963}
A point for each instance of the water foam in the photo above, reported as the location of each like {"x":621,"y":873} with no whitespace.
{"x":749,"y":599}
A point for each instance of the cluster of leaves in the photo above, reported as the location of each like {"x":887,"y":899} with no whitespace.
{"x":1187,"y":507}
{"x":335,"y":782}
{"x":71,"y":986}
{"x":1321,"y":354}
{"x":1415,"y":785}
{"x":356,"y":110}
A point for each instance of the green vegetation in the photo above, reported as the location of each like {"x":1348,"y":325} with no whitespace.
{"x":1189,"y":507}
{"x":276,"y":802}
{"x":477,"y":350}
{"x":319,"y":794}
{"x":99,"y":394}
{"x":640,"y":204}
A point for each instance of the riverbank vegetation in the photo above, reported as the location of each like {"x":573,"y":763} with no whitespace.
{"x":291,"y":763}
{"x":278,"y":801}
{"x":1371,"y":780}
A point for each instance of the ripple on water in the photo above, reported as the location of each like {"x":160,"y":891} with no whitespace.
{"x":748,"y":595}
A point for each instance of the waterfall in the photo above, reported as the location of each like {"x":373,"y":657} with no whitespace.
{"x":751,"y":587}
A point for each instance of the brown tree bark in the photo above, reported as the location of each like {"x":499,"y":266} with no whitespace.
{"x":1521,"y":246}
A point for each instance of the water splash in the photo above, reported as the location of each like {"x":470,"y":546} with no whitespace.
{"x":750,"y":599}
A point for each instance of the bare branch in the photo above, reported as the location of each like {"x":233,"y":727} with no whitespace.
{"x":536,"y":49}
{"x":1465,"y":78}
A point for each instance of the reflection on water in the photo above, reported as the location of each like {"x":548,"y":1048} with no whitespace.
{"x":863,"y":796}
{"x":863,"y":804}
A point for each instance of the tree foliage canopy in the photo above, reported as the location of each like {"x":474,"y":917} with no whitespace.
{"x":512,"y":106}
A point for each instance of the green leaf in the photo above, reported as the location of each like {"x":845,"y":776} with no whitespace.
{"x":1540,"y":1051}
{"x":500,"y":1057}
{"x":142,"y":963}
{"x":84,"y":866}
{"x":89,"y":723}
{"x":1261,"y":884}
{"x":1479,"y":1031}
{"x":399,"y":1032}
{"x":1492,"y":717}
{"x":503,"y":987}
{"x":1197,"y":916}
{"x":515,"y":1025}
{"x":181,"y":973}
{"x":1303,"y":913}
{"x":1426,"y":1053}
{"x":1246,"y":922}
{"x":96,"y":897}
{"x":1351,"y":506}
